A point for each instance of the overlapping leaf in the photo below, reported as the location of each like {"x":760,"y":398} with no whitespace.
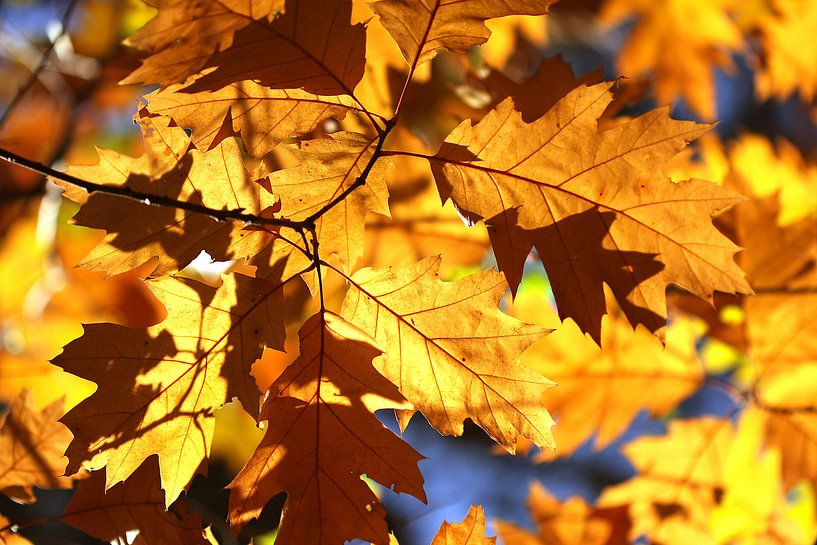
{"x":137,"y":232}
{"x":313,"y":46}
{"x":322,"y":437}
{"x":595,"y":204}
{"x":158,"y":387}
{"x":262,"y":116}
{"x":329,"y":169}
{"x":138,"y":503}
{"x":182,"y":36}
{"x":452,"y":353}
{"x":421,"y":27}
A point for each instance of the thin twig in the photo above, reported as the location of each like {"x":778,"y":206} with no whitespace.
{"x":35,"y":74}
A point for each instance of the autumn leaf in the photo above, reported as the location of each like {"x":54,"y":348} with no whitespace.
{"x":169,"y":168}
{"x":330,"y":169}
{"x":312,"y":46}
{"x":471,"y":531}
{"x":601,"y":389}
{"x":418,"y":226}
{"x":678,"y":478}
{"x":423,"y":27}
{"x":452,"y":353}
{"x":182,"y":35}
{"x":32,"y":443}
{"x":170,"y":377}
{"x":789,"y":52}
{"x":322,"y":437}
{"x":138,"y":503}
{"x":262,"y":116}
{"x":595,"y":204}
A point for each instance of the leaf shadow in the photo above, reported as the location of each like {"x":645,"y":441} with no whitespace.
{"x":579,"y":262}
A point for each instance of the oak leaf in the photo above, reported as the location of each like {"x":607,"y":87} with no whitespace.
{"x":321,"y":437}
{"x":32,"y":443}
{"x":452,"y":353}
{"x":422,"y":27}
{"x":471,"y":531}
{"x":594,"y":203}
{"x":678,"y":481}
{"x":138,"y":503}
{"x":137,"y":232}
{"x":789,"y":52}
{"x":170,"y":377}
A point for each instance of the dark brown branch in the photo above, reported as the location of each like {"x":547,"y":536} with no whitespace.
{"x":122,"y":191}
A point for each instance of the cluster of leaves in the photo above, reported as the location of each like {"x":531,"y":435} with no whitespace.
{"x":285,"y":139}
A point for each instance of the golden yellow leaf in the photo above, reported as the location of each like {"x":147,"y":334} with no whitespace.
{"x":790,"y":52}
{"x":677,"y":482}
{"x":471,"y":531}
{"x":595,"y":204}
{"x":170,"y":377}
{"x":421,"y":27}
{"x":452,"y":353}
{"x":183,"y":35}
{"x":322,"y":436}
{"x":31,"y":447}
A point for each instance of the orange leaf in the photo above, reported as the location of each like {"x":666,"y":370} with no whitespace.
{"x":471,"y":531}
{"x":32,"y":443}
{"x":595,"y":204}
{"x":322,"y":437}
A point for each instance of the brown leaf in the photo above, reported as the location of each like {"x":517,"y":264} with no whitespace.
{"x":312,"y":46}
{"x":421,"y":27}
{"x":451,"y":351}
{"x":595,"y":204}
{"x":32,"y":443}
{"x":322,"y":437}
{"x":135,"y":504}
{"x":170,"y":377}
{"x":471,"y":531}
{"x":183,"y":35}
